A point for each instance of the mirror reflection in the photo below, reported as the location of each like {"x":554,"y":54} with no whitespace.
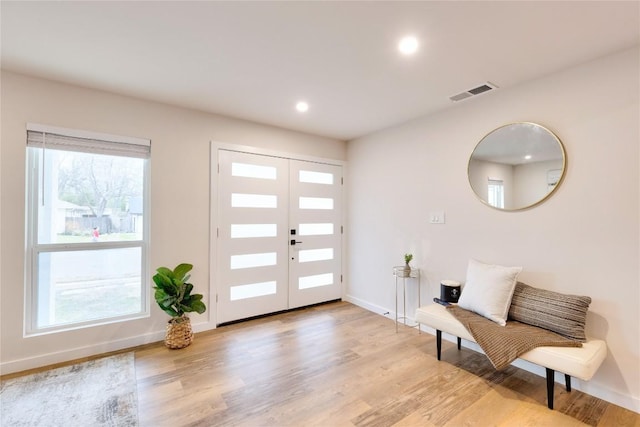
{"x":516,"y":166}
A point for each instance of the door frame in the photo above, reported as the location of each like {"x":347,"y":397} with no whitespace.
{"x":214,"y":273}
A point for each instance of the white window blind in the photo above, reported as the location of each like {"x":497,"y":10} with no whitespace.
{"x":55,"y":139}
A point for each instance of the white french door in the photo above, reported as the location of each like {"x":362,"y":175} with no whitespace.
{"x":252,"y":224}
{"x":315,"y":250}
{"x":279,"y":237}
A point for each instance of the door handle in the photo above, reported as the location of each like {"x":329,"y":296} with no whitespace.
{"x":293,"y":242}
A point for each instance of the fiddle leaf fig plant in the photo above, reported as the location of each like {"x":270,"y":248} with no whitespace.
{"x":173,"y":292}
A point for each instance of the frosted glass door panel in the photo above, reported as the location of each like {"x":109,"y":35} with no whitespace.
{"x":306,"y":282}
{"x":316,"y":229}
{"x":253,"y":290}
{"x":312,"y":255}
{"x":261,"y":201}
{"x":249,"y":170}
{"x":316,"y":177}
{"x":253,"y":260}
{"x":244,"y":231}
{"x":315,"y":203}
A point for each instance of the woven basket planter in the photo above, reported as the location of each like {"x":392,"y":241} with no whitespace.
{"x":179,"y":333}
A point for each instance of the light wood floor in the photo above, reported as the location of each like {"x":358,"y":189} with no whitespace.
{"x":340,"y":365}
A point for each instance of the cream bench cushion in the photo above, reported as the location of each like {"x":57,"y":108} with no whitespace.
{"x":580,"y":362}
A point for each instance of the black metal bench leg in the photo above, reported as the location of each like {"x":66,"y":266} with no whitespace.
{"x":439,"y":342}
{"x":550,"y":383}
{"x":567,"y":381}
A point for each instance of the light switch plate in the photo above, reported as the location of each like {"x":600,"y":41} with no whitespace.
{"x":436,"y":217}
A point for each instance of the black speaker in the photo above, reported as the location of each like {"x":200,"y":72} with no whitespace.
{"x":449,"y":290}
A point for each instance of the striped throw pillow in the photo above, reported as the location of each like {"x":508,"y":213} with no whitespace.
{"x":563,"y":314}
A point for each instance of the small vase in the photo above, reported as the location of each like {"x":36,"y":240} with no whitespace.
{"x":406,"y":271}
{"x":179,"y":333}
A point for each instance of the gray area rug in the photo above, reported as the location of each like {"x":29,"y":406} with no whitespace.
{"x":100,"y":392}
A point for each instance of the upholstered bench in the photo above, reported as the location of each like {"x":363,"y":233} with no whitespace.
{"x":580,"y":362}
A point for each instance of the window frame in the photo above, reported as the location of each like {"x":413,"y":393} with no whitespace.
{"x":495,"y":190}
{"x":33,"y":248}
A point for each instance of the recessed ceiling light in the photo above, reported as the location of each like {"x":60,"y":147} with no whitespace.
{"x":527,"y":157}
{"x":302,"y":106}
{"x":408,"y":45}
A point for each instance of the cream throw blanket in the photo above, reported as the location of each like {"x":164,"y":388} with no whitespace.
{"x":504,"y":344}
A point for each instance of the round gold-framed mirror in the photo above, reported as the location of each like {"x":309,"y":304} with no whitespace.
{"x":517,"y":166}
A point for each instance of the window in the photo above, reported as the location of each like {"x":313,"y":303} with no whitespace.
{"x":87,"y":228}
{"x":496,"y":193}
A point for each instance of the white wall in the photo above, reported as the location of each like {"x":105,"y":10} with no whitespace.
{"x":582,"y":240}
{"x":179,"y":199}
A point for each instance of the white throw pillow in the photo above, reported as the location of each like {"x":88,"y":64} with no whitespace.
{"x":488,"y":290}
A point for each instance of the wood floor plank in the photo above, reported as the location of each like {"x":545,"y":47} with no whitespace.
{"x":492,"y":409}
{"x":619,"y":417}
{"x":535,"y":415}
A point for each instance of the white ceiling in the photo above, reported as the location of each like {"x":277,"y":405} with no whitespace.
{"x":255,"y":60}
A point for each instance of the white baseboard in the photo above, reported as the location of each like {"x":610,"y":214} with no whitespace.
{"x":77,"y":353}
{"x":376,"y":309}
{"x":589,"y":387}
{"x":87,"y":351}
{"x":366,"y":305}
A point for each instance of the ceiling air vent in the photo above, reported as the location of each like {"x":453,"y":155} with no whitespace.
{"x":485,"y":87}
